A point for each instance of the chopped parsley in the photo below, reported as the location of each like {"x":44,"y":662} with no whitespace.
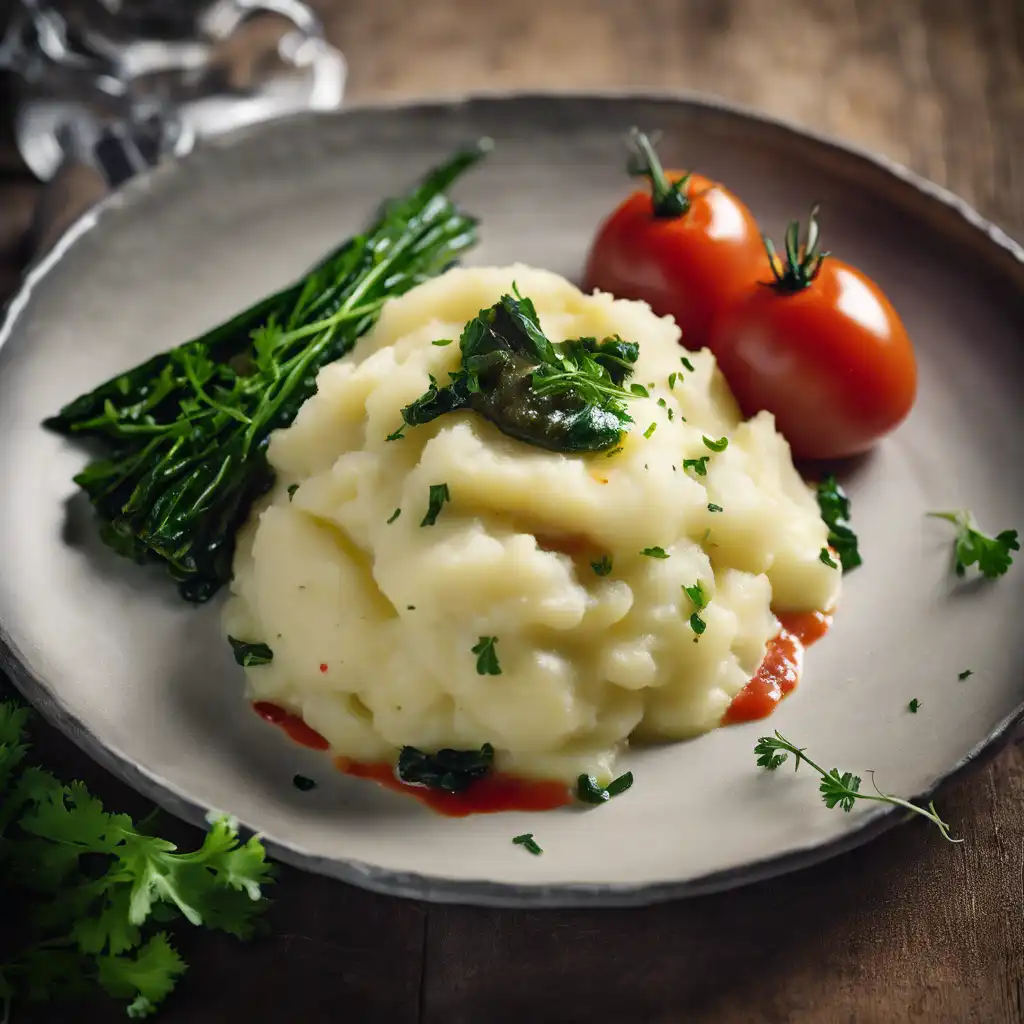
{"x":639,"y":390}
{"x":913,"y":706}
{"x":663,"y":403}
{"x":602,"y":566}
{"x":715,"y":508}
{"x":716,"y":446}
{"x":442,"y":341}
{"x":487,"y":657}
{"x":292,"y":488}
{"x":650,"y":430}
{"x":835,"y":511}
{"x":966,"y":674}
{"x":827,"y":559}
{"x":972,"y":546}
{"x":247,"y":655}
{"x":397,"y":435}
{"x":394,"y":516}
{"x":672,"y":378}
{"x":590,"y":792}
{"x":655,"y":552}
{"x":697,"y":624}
{"x":687,"y":364}
{"x":699,"y":466}
{"x":438,"y":496}
{"x":697,"y":596}
{"x":671,"y":415}
{"x":450,"y":770}
{"x":527,"y":841}
{"x":303,"y":783}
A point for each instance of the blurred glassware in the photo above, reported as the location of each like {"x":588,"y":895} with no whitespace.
{"x":116,"y":84}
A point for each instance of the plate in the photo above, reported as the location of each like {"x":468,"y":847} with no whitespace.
{"x":147,"y":685}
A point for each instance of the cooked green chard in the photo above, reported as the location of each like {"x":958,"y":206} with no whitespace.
{"x":835,"y":511}
{"x":247,"y":654}
{"x":566,"y":397}
{"x":839,"y":789}
{"x":450,"y":770}
{"x":89,"y":895}
{"x":972,"y":546}
{"x":187,"y":431}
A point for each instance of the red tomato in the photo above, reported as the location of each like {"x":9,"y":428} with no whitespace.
{"x":822,"y":348}
{"x":686,"y":247}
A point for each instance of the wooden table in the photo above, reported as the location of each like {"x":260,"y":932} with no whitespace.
{"x":906,"y":929}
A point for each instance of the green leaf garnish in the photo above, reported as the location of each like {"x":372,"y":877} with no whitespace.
{"x":590,"y":792}
{"x":839,"y":790}
{"x":913,"y":706}
{"x":450,"y":770}
{"x":697,"y":624}
{"x":827,"y":559}
{"x":966,"y":674}
{"x":972,"y":546}
{"x":639,"y":390}
{"x":486,"y":656}
{"x":292,"y":488}
{"x":438,"y":496}
{"x":687,"y":364}
{"x":248,"y":655}
{"x":672,"y":378}
{"x":397,"y":435}
{"x":650,"y":430}
{"x":716,"y":446}
{"x":697,"y":596}
{"x":654,"y":552}
{"x":715,"y":508}
{"x":602,"y":566}
{"x":699,"y":466}
{"x":394,"y":516}
{"x":835,"y":511}
{"x":568,"y":397}
{"x":527,"y":841}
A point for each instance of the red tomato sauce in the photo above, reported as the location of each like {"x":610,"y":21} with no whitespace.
{"x":493,"y":793}
{"x":292,"y":726}
{"x":780,"y":671}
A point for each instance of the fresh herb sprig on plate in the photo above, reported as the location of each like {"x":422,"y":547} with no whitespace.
{"x":972,"y":546}
{"x":839,"y":789}
{"x":187,"y":430}
{"x":88,"y":895}
{"x":567,"y":397}
{"x":835,"y":511}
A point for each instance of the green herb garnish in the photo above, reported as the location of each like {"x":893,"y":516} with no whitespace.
{"x":303,"y":783}
{"x":835,"y":511}
{"x":292,"y":488}
{"x":966,"y":674}
{"x":602,"y":566}
{"x":715,"y":508}
{"x":588,"y":790}
{"x":827,"y":559}
{"x":394,"y":516}
{"x":716,"y":446}
{"x":913,"y":706}
{"x":443,"y":341}
{"x":992,"y":555}
{"x":650,"y":430}
{"x":247,"y":654}
{"x":655,"y":552}
{"x":396,"y":435}
{"x":438,"y":496}
{"x":672,"y":378}
{"x":526,"y":840}
{"x":639,"y":390}
{"x":687,"y":364}
{"x":450,"y":770}
{"x":187,"y":431}
{"x":699,"y":466}
{"x":89,"y":895}
{"x":568,"y":397}
{"x":836,"y":789}
{"x":486,"y":656}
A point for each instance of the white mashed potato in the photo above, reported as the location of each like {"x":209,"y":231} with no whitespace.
{"x":373,"y":619}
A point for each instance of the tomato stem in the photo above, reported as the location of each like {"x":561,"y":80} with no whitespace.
{"x":802,"y":262}
{"x":668,"y":198}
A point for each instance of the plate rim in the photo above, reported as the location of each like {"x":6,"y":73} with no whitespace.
{"x":437,"y":889}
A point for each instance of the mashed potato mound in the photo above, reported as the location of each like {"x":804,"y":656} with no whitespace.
{"x":373,"y":619}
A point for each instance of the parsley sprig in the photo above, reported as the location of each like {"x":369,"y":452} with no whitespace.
{"x":972,"y":546}
{"x":88,"y":894}
{"x":839,"y":789}
{"x":835,"y":511}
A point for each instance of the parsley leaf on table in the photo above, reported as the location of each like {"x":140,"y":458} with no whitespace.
{"x":835,"y":511}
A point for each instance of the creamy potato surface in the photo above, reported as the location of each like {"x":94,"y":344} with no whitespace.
{"x":373,"y":616}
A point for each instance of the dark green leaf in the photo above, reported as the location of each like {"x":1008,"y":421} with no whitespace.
{"x":588,"y":790}
{"x":292,"y":488}
{"x":715,"y":508}
{"x":835,"y":511}
{"x":249,"y":654}
{"x":526,"y":840}
{"x":966,"y":674}
{"x":687,"y":364}
{"x":450,"y":770}
{"x":303,"y":783}
{"x":972,"y":546}
{"x":697,"y":624}
{"x":716,"y":446}
{"x":655,"y":552}
{"x":620,"y":785}
{"x":913,"y":706}
{"x":603,"y":566}
{"x":438,"y":496}
{"x":827,"y":559}
{"x":487,"y":656}
{"x":699,"y":466}
{"x":394,"y":516}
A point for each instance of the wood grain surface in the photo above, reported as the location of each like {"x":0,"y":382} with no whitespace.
{"x":906,"y":929}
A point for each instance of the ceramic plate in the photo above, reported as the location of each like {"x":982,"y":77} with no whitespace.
{"x":147,"y":685}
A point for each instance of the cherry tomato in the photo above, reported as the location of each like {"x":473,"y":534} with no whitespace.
{"x":685,"y":248}
{"x":821,"y":348}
